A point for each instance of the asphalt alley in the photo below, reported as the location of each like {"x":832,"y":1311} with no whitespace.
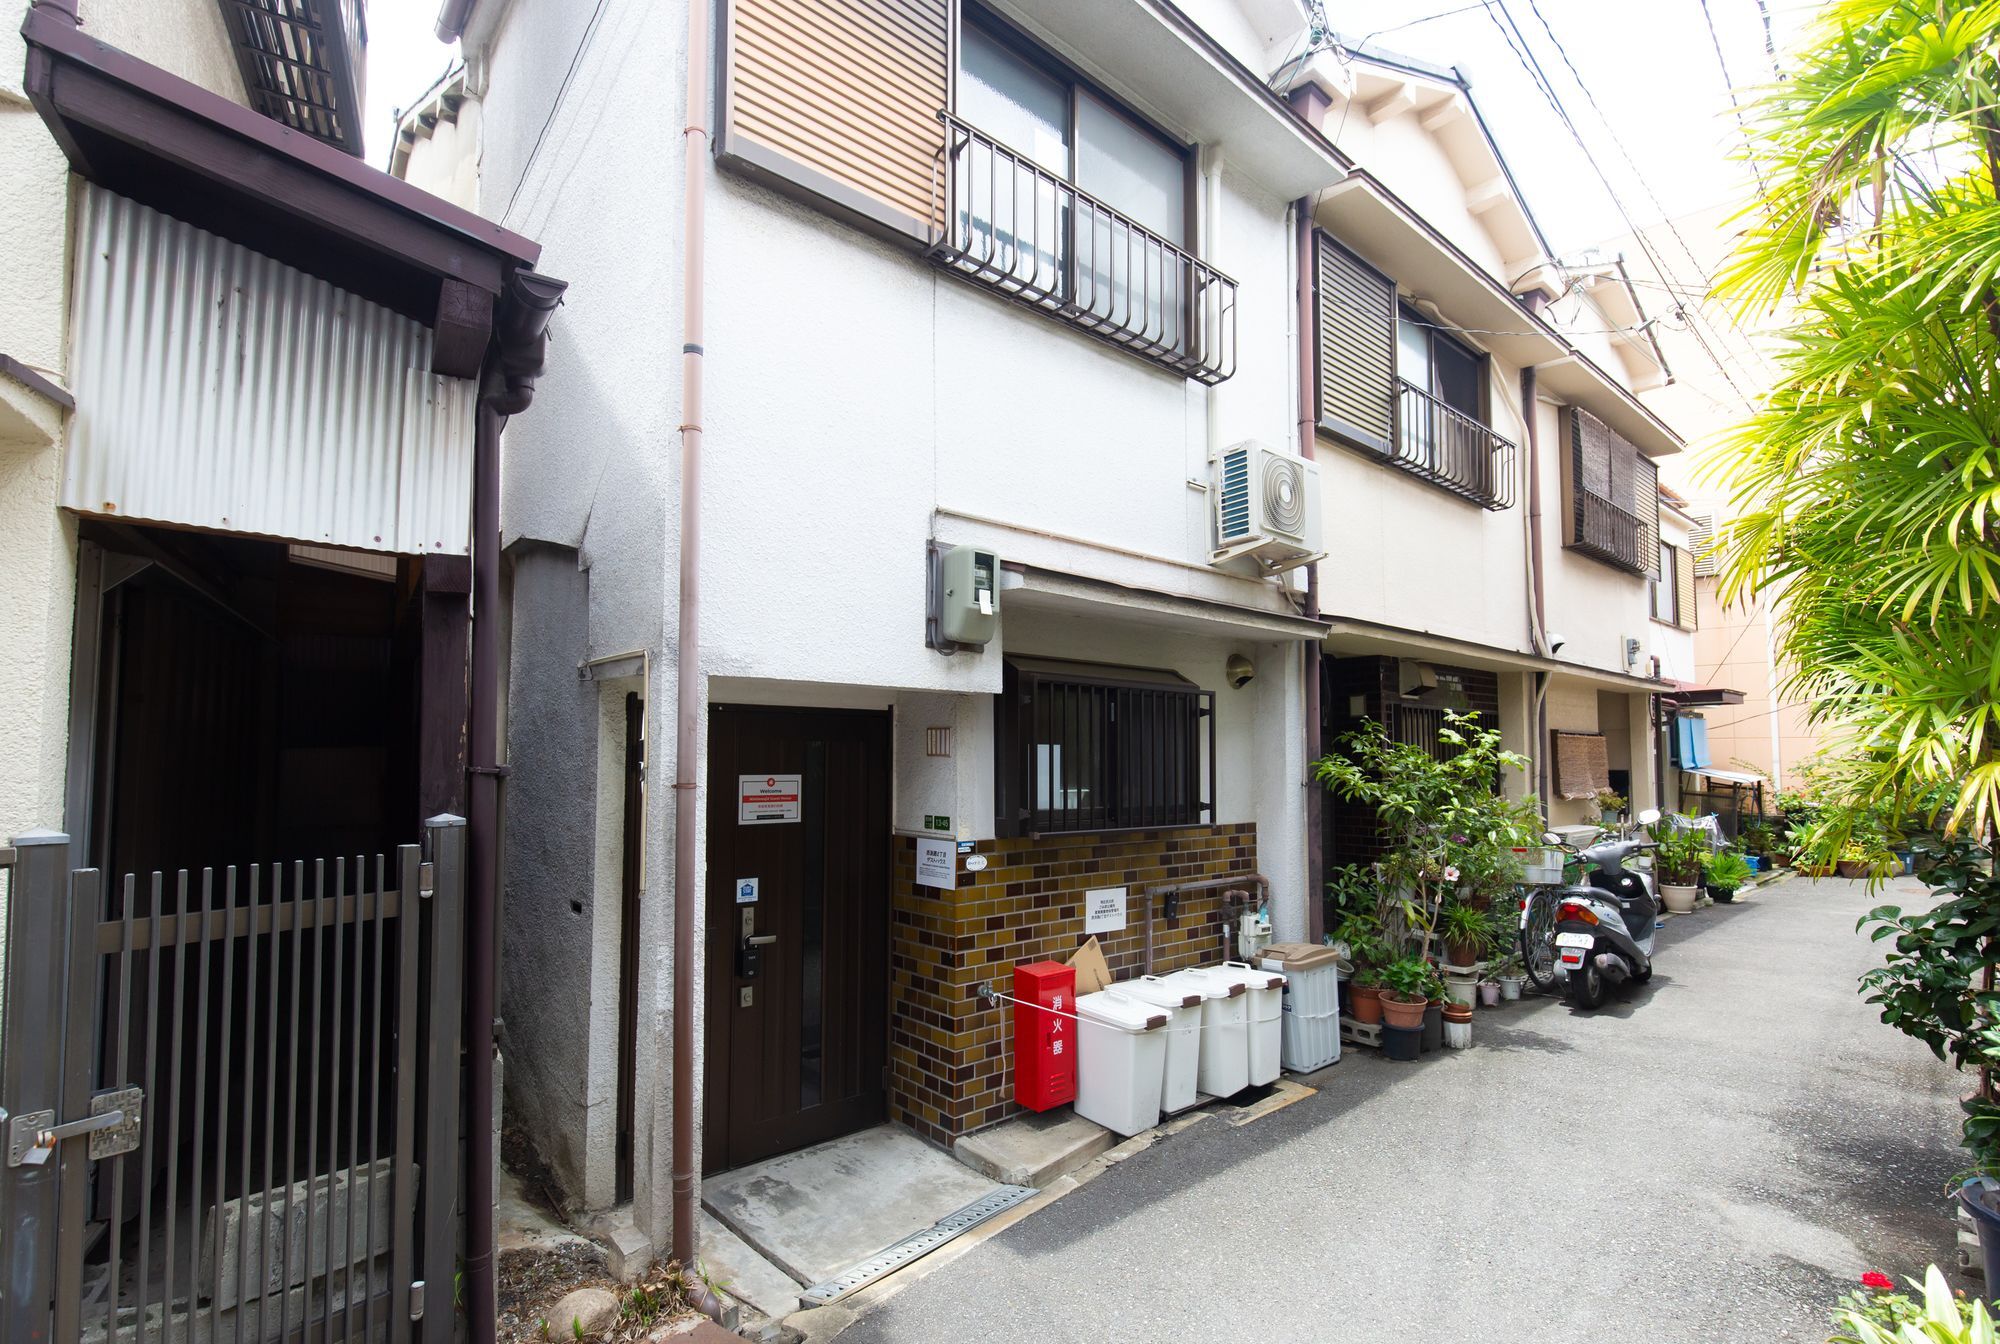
{"x":1714,"y":1156}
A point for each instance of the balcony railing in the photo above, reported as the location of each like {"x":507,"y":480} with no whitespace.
{"x":1012,"y":226}
{"x":1609,"y":533}
{"x":1452,"y":450}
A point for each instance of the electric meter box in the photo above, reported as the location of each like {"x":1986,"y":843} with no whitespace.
{"x":969,"y":612}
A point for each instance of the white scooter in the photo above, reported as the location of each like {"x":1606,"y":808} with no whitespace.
{"x":1606,"y":924}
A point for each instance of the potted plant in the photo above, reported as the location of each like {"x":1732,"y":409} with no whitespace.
{"x":1489,"y":993}
{"x":1466,"y":932}
{"x":1407,"y":983}
{"x":1755,"y":839}
{"x":1610,"y":803}
{"x":1366,"y":1000}
{"x":1853,"y":861}
{"x":1725,"y":871}
{"x":1677,"y":863}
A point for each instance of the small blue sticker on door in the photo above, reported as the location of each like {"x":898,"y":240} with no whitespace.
{"x":746,"y":891}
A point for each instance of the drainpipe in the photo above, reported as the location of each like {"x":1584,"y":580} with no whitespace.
{"x":507,"y":385}
{"x":687,"y":654}
{"x":1538,"y":607}
{"x":1310,"y":648}
{"x":1310,"y":103}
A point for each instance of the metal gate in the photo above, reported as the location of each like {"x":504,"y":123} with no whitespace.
{"x":232,"y":1098}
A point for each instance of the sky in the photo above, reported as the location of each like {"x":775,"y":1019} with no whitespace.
{"x":1652,"y":68}
{"x":1650,"y":64}
{"x":404,"y":59}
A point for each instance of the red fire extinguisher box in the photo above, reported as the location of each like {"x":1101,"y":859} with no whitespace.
{"x":1044,"y":1034}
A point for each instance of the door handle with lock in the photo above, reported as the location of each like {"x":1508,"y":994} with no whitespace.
{"x":749,"y":948}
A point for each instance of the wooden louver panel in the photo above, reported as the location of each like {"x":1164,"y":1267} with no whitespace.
{"x":1614,"y":504}
{"x":849,"y":91}
{"x":1684,"y":610}
{"x":1357,"y":348}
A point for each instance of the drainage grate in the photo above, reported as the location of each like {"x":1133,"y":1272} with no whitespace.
{"x":919,"y":1244}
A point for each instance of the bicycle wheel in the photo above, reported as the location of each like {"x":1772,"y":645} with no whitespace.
{"x":1538,"y":937}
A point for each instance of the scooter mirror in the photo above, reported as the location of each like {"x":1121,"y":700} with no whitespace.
{"x":1551,"y":838}
{"x":1649,"y":816}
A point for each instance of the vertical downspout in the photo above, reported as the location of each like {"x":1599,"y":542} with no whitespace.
{"x":1538,"y":635}
{"x":687,"y":652}
{"x":1310,"y":648}
{"x":507,"y":385}
{"x":483,"y":863}
{"x":1310,"y":102}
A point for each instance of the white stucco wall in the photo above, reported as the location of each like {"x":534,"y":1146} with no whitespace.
{"x":858,"y":403}
{"x":37,"y":540}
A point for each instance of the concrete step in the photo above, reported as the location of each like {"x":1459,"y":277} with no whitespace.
{"x":1034,"y":1150}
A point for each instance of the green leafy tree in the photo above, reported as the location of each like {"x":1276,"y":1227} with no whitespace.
{"x":1867,"y":486}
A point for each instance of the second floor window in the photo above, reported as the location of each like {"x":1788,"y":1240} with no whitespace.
{"x":1059,"y":197}
{"x":1397,"y":384}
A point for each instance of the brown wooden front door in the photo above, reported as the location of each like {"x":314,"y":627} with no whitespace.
{"x":798,"y":854}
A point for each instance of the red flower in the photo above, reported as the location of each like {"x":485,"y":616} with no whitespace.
{"x":1877,"y":1280}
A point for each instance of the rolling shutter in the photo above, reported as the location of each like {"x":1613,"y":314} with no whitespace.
{"x":841,"y":98}
{"x":1645,"y":502}
{"x":1684,"y":610}
{"x":1356,"y":307}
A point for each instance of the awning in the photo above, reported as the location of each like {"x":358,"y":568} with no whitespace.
{"x":178,"y":148}
{"x":1744,"y":777}
{"x":1344,"y":636}
{"x":1688,"y":694}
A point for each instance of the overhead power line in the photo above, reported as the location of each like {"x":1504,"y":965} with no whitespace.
{"x":1645,"y":183}
{"x":1749,"y":146}
{"x":1496,"y":10}
{"x":555,"y":106}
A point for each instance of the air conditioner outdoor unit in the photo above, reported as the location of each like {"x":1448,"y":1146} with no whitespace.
{"x":1266,"y":507}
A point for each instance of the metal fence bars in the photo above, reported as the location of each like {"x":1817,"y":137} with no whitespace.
{"x":1452,"y":450}
{"x":1007,"y":223}
{"x":233,"y":1098}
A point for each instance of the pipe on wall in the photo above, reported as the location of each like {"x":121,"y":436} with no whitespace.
{"x":687,"y":653}
{"x":1311,"y":653}
{"x":507,"y":386}
{"x":1538,"y":635}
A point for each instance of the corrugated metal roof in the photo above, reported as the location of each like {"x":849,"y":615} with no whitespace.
{"x":217,"y":388}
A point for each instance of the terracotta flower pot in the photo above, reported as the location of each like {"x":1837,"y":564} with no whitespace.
{"x":1851,"y":868}
{"x":1462,"y":954}
{"x":1458,"y":1012}
{"x":1367,"y":1001}
{"x":1400,"y":1010}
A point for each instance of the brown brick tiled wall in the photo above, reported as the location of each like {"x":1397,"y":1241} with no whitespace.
{"x":950,"y":1056}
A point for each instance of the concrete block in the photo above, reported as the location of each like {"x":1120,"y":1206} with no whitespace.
{"x":255,"y":1228}
{"x":628,"y":1252}
{"x":1034,"y":1149}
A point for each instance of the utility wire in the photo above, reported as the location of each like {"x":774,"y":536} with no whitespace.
{"x":1495,"y":10}
{"x":555,"y":106}
{"x":1626,"y":154}
{"x":1729,"y":83}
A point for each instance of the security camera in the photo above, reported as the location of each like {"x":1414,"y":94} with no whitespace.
{"x":1556,"y":642}
{"x":1240,"y":671}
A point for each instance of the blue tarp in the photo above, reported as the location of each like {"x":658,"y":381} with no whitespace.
{"x":1691,"y":742}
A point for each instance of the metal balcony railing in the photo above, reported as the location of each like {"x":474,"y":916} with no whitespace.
{"x":1609,"y":533}
{"x":1012,"y":226}
{"x":1452,"y":450}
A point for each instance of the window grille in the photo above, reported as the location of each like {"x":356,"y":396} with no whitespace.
{"x":1086,"y":748}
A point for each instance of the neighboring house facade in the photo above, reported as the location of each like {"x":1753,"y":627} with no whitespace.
{"x":251,"y":392}
{"x":1068,"y":304}
{"x":1489,"y":472}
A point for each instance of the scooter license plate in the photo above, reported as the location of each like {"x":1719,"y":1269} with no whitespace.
{"x":1581,"y":940}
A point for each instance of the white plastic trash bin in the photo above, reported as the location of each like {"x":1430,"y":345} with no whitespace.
{"x":1266,"y":991}
{"x":1223,"y":1066}
{"x":1121,"y":1055}
{"x":1309,"y":1031}
{"x":1182,"y":1005}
